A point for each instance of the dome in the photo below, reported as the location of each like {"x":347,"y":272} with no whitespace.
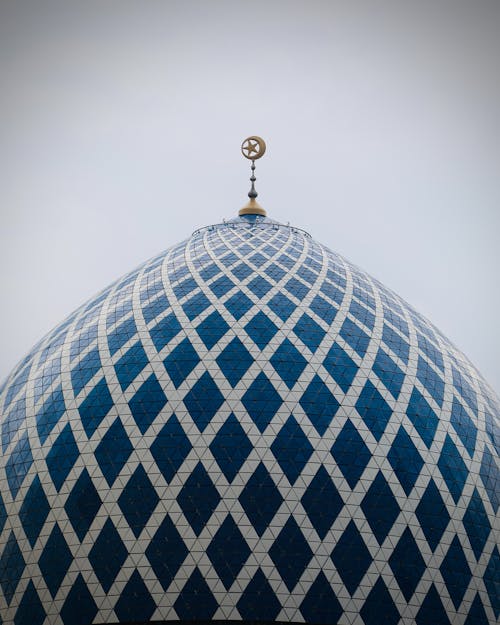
{"x":248,"y":428}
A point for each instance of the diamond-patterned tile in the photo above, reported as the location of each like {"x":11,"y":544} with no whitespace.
{"x":290,"y":553}
{"x":231,"y":447}
{"x":138,"y":500}
{"x":198,"y":498}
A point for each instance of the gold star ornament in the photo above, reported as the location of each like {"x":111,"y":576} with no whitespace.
{"x":253,"y":148}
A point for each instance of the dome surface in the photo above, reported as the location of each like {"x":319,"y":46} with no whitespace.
{"x":248,"y":428}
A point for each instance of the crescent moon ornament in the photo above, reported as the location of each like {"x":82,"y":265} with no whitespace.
{"x":253,"y":148}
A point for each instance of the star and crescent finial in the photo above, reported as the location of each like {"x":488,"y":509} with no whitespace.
{"x":253,"y":148}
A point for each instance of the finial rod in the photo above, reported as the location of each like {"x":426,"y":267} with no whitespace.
{"x":253,"y":148}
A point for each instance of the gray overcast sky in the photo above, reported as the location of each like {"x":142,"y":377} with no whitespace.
{"x":121,"y":124}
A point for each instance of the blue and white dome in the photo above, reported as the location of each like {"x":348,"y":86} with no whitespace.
{"x":248,"y":428}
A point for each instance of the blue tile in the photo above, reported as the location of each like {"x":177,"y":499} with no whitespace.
{"x":292,"y":449}
{"x":260,"y":499}
{"x":195,"y":306}
{"x":30,"y":610}
{"x":333,"y":292}
{"x":170,"y":448}
{"x":405,"y":460}
{"x":234,"y":361}
{"x":138,"y":501}
{"x":228,"y":551}
{"x":13,"y":422}
{"x":113,"y":451}
{"x":362,"y":314}
{"x":380,"y":507}
{"x":82,"y":505}
{"x":261,"y":329}
{"x":374,"y":410}
{"x":3,"y":513}
{"x":108,"y":554}
{"x":340,"y":366}
{"x":79,"y":607}
{"x":477,"y":615}
{"x":431,"y":380}
{"x":121,"y":334}
{"x":262,"y":401}
{"x":195,"y":601}
{"x":130,"y":365}
{"x":396,"y":343}
{"x":456,"y":572}
{"x":212,"y":329}
{"x":355,"y":337}
{"x":259,"y":286}
{"x":430,"y":350}
{"x":307,"y":275}
{"x":432,"y":515}
{"x":463,"y":386}
{"x":242,"y":271}
{"x":320,"y":605}
{"x":288,"y":362}
{"x":322,"y":502}
{"x":319,"y":404}
{"x":350,"y":453}
{"x":290,"y":553}
{"x":351,"y":557}
{"x":52,"y":410}
{"x":153,"y":309}
{"x":203,"y":401}
{"x":166,"y":552}
{"x":323,"y":309}
{"x":452,"y":468}
{"x":185,"y":287}
{"x":258,"y":601}
{"x":16,"y":385}
{"x":12,"y":565}
{"x":231,"y":447}
{"x":309,"y":332}
{"x":51,"y":372}
{"x":238,"y":305}
{"x":432,"y":611}
{"x":209,"y":272}
{"x":389,"y":372}
{"x":275,"y":273}
{"x":18,"y":465}
{"x":164,"y":331}
{"x":491,"y":580}
{"x":55,"y":560}
{"x":34,"y":511}
{"x":407,"y":564}
{"x":135,"y":605}
{"x":423,"y":417}
{"x":95,"y":407}
{"x":181,"y":361}
{"x":85,"y":370}
{"x":379,"y":605}
{"x":476,"y":524}
{"x":297,"y":288}
{"x":281,"y":306}
{"x":221,"y":286}
{"x":198,"y":498}
{"x":147,"y":403}
{"x":490,"y":476}
{"x":62,"y":456}
{"x":464,"y":426}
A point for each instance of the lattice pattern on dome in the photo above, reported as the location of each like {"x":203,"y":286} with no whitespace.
{"x":248,"y":427}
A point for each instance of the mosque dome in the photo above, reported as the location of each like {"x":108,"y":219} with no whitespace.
{"x":248,"y":428}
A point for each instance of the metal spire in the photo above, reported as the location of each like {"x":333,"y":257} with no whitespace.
{"x":253,"y":148}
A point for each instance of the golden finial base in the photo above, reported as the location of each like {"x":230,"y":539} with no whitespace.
{"x":252,"y":208}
